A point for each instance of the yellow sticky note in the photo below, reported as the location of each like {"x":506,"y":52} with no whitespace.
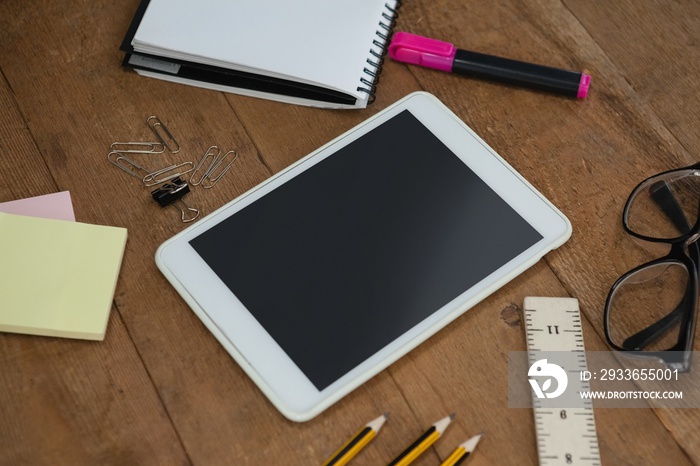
{"x":57,"y":278}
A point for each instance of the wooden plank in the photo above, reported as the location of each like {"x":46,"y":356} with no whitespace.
{"x":78,"y":402}
{"x":23,"y":171}
{"x":653,"y":44}
{"x":69,"y":401}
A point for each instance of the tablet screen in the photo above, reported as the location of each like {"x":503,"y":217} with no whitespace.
{"x":344,"y":258}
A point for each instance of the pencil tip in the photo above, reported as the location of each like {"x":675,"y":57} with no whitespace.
{"x":470,"y":444}
{"x":452,"y":416}
{"x":377,"y":424}
{"x":442,"y":424}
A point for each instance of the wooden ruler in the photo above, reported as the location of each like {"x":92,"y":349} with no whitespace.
{"x":565,"y":435}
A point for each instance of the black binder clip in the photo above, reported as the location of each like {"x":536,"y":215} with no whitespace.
{"x":171,"y":194}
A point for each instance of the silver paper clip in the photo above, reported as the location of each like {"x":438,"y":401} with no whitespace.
{"x":167,"y":173}
{"x":208,"y":180}
{"x":136,"y":147}
{"x":126,"y":164}
{"x":212,"y":153}
{"x":163,"y":134}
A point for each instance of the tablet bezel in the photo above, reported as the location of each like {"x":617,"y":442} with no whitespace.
{"x":256,"y":351}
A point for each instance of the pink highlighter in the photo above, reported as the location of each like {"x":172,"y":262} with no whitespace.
{"x":431,"y":53}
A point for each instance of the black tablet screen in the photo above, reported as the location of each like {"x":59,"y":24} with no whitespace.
{"x":353,"y":252}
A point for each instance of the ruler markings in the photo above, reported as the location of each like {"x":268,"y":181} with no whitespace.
{"x":554,"y":324}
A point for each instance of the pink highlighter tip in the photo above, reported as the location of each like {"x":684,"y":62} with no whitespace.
{"x":583,"y":86}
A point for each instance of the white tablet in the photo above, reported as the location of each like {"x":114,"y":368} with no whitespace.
{"x":328,"y":272}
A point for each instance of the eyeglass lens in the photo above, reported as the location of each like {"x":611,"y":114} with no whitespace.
{"x":665,"y":206}
{"x":645,"y":308}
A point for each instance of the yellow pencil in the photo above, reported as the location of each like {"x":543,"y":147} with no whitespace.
{"x":422,"y":443}
{"x":358,"y":441}
{"x":462,"y":452}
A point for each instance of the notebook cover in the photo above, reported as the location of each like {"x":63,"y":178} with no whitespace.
{"x":178,"y":70}
{"x":236,"y":79}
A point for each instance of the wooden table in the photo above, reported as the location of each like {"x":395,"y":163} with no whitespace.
{"x":160,"y":389}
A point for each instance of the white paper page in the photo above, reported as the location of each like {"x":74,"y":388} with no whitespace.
{"x":319,"y":42}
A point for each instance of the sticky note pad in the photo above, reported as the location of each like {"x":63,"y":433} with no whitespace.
{"x":57,"y":278}
{"x":55,"y":205}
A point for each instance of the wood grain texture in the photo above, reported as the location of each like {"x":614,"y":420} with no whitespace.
{"x":161,"y":390}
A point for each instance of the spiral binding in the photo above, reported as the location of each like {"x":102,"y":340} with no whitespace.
{"x":376,"y":61}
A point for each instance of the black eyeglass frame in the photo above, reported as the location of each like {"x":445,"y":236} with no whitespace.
{"x":684,"y":251}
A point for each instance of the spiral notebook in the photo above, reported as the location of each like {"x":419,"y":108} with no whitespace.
{"x":309,"y":52}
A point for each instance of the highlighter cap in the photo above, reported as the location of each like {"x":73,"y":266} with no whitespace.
{"x":583,"y":86}
{"x":422,"y":51}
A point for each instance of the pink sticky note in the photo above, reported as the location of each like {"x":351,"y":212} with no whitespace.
{"x":57,"y":206}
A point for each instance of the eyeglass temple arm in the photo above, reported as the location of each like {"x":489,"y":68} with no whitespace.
{"x":664,"y":198}
{"x":641,"y":339}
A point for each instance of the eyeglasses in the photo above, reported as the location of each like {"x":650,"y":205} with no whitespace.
{"x":651,"y":310}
